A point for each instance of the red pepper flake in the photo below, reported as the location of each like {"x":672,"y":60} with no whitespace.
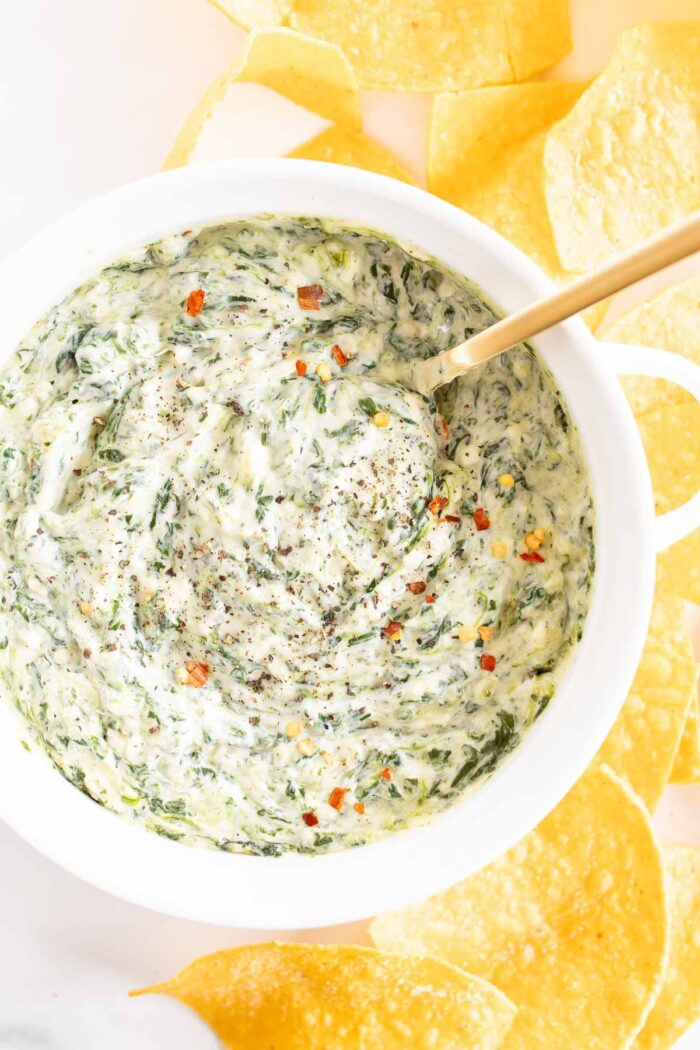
{"x":385,"y":773}
{"x":310,"y":819}
{"x":359,"y":807}
{"x":437,"y":504}
{"x":393,"y":630}
{"x":308,"y":296}
{"x":198,"y":673}
{"x":443,"y":427}
{"x":339,"y":356}
{"x":301,"y":367}
{"x":430,"y":598}
{"x":488,"y":662}
{"x":532,"y":556}
{"x":481,"y":519}
{"x":452,"y":518}
{"x":336,"y":797}
{"x":195,"y":302}
{"x":416,"y":588}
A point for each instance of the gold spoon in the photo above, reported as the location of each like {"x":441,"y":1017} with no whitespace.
{"x":654,"y":255}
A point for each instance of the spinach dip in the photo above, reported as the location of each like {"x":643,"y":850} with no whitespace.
{"x":255,"y":595}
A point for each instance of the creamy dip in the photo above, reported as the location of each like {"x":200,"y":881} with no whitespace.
{"x":255,"y":596}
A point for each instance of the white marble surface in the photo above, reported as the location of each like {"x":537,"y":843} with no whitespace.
{"x":91,"y":94}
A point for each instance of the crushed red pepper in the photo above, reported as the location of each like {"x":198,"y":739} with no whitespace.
{"x":488,"y":662}
{"x":437,"y":504}
{"x":336,"y":798}
{"x":198,"y":672}
{"x":339,"y":356}
{"x":430,"y":598}
{"x":302,"y":368}
{"x":481,"y":519}
{"x":416,"y":588}
{"x":195,"y":302}
{"x":393,"y":630}
{"x":310,"y":819}
{"x":532,"y":556}
{"x":454,"y":519}
{"x":385,"y":773}
{"x":308,"y":296}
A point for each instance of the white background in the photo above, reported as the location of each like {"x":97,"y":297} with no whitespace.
{"x":91,"y":95}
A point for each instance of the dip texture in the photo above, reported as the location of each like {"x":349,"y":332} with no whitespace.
{"x":255,"y":596}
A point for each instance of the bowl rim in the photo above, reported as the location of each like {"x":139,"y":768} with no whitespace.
{"x":301,"y":891}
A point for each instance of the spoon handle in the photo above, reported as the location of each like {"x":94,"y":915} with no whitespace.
{"x":655,"y":254}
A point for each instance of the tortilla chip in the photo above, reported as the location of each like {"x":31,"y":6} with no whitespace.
{"x":641,"y":746}
{"x":340,"y":145}
{"x":670,"y":321}
{"x":625,"y":162}
{"x":686,"y":768}
{"x":255,"y":14}
{"x":678,"y":1003}
{"x":312,"y":73}
{"x":669,"y":418}
{"x":671,"y":438}
{"x":485,"y":154}
{"x":571,"y":923}
{"x":678,"y":568}
{"x":186,"y":139}
{"x":333,"y":997}
{"x":539,"y":34}
{"x":440,"y":45}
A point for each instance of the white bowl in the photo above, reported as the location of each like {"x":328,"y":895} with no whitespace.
{"x":303,"y":891}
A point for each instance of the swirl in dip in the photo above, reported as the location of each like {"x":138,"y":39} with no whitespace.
{"x":256,"y":596}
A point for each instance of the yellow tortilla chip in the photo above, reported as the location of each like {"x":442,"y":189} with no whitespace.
{"x":626,"y":161}
{"x":440,"y":45}
{"x":571,"y":923}
{"x":340,"y":145}
{"x":671,"y":438}
{"x":539,"y":34}
{"x":333,"y":997}
{"x":255,"y":14}
{"x":670,"y":321}
{"x":642,"y":744}
{"x":686,"y":768}
{"x":669,"y":418}
{"x":678,"y":568}
{"x":678,"y":1003}
{"x":312,"y":73}
{"x":485,"y":154}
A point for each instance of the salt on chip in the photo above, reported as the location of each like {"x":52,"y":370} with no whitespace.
{"x":440,"y":45}
{"x":339,"y":145}
{"x":678,"y":1002}
{"x":686,"y":768}
{"x":312,"y":73}
{"x":485,"y":155}
{"x":334,"y":997}
{"x":625,"y":162}
{"x":641,"y":746}
{"x":669,"y":417}
{"x":571,"y":923}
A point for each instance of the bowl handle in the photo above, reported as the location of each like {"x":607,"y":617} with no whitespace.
{"x":629,"y":360}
